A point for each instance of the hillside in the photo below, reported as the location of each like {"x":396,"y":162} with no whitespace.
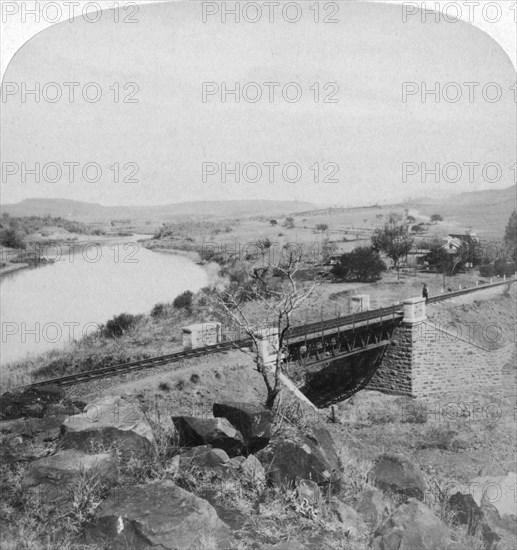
{"x":486,"y":212}
{"x":91,"y":212}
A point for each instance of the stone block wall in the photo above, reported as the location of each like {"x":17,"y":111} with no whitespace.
{"x":426,"y":361}
{"x":394,"y":376}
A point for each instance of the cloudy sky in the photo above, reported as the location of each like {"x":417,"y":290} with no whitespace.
{"x":369,"y":132}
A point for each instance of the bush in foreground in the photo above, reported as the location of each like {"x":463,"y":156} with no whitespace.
{"x":119,"y":325}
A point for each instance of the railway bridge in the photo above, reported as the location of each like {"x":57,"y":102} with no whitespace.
{"x":394,"y":350}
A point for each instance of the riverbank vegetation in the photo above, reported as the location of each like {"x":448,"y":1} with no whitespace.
{"x":15,"y":231}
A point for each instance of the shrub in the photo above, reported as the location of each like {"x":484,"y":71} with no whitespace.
{"x":436,"y":218}
{"x":362,"y":264}
{"x":163,"y":386}
{"x":486,"y":270}
{"x":158,"y":310}
{"x":289,"y":222}
{"x":120,"y":324}
{"x":183,"y":301}
{"x":501,"y":267}
{"x":12,"y":238}
{"x":180,"y":384}
{"x":194,"y":378}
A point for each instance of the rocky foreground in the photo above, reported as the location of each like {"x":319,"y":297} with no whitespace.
{"x":114,"y":473}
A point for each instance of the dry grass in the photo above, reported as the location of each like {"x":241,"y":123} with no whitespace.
{"x":29,"y":521}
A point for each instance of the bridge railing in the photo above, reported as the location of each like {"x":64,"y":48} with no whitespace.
{"x":346,"y":320}
{"x":463,"y":291}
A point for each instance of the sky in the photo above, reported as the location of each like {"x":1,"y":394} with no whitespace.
{"x":168,"y":145}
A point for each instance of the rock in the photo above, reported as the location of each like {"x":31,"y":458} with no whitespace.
{"x":206,"y":459}
{"x":466,"y":511}
{"x":39,"y":429}
{"x":500,"y":492}
{"x":158,"y":514}
{"x":30,"y":402}
{"x":485,"y":520}
{"x":458,"y":546}
{"x":371,"y":507}
{"x":396,"y":473}
{"x":494,"y":531}
{"x":412,"y":526}
{"x":252,"y":421}
{"x":217,"y":432}
{"x":308,"y":491}
{"x":112,"y":422}
{"x":285,"y":546}
{"x":237,"y":461}
{"x":352,"y":522}
{"x":459,"y":442}
{"x":53,"y":477}
{"x":293,"y":454}
{"x":59,"y":410}
{"x":252,"y":470}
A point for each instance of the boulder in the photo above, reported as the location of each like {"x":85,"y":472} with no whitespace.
{"x":39,"y":429}
{"x":57,"y":410}
{"x":31,"y":402}
{"x":217,"y":432}
{"x":308,"y":491}
{"x":252,"y":421}
{"x":158,"y":514}
{"x":112,"y":422}
{"x":293,"y":454}
{"x":494,"y":529}
{"x":252,"y":470}
{"x":484,"y":520}
{"x":412,"y":526}
{"x":499,"y":491}
{"x":372,"y":508}
{"x":53,"y":477}
{"x":465,"y":511}
{"x":460,"y":442}
{"x":206,"y":459}
{"x":396,"y":473}
{"x":352,"y":522}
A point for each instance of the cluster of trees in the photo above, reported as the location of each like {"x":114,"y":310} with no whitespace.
{"x":361,"y":264}
{"x":491,"y":258}
{"x":14,"y":230}
{"x":185,"y":230}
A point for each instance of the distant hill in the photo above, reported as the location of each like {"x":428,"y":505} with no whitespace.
{"x":486,"y":212}
{"x":92,"y":212}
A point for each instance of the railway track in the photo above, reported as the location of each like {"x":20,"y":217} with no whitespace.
{"x":123,"y":368}
{"x":297,"y":331}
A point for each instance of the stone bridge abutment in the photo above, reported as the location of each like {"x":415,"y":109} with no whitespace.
{"x":426,"y":360}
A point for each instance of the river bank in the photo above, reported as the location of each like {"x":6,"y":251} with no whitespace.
{"x":11,"y":268}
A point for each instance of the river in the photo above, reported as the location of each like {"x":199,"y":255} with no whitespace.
{"x":46,"y":307}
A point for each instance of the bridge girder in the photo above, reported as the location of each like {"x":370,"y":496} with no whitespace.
{"x":328,"y":345}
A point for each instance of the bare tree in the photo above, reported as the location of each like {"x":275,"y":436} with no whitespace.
{"x":272,"y":294}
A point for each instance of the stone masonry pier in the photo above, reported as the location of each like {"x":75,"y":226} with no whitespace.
{"x":425,"y":360}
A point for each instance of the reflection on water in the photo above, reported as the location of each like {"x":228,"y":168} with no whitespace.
{"x":44,"y":308}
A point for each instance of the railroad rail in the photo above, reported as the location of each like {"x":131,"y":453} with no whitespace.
{"x":295,"y":332}
{"x":123,"y":368}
